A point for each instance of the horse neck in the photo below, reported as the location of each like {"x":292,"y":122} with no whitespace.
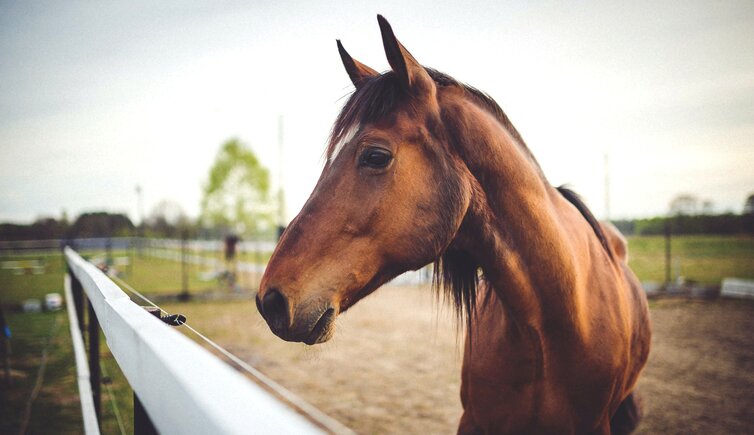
{"x":515,"y":227}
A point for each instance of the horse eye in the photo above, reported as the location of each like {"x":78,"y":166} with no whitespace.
{"x":376,"y":158}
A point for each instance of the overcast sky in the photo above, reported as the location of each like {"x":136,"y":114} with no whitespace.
{"x":98,"y":97}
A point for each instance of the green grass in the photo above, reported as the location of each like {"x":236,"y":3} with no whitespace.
{"x":122,"y":394}
{"x":155,"y":275}
{"x":705,"y":259}
{"x":245,"y":256}
{"x":152,"y":275}
{"x":149,"y":275}
{"x":15,"y":287}
{"x":56,"y":408}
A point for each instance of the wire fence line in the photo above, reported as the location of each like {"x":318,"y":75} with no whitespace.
{"x":111,"y":397}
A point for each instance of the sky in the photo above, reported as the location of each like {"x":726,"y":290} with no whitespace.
{"x":99,"y":97}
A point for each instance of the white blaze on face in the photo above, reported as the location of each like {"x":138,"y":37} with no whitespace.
{"x":344,"y":141}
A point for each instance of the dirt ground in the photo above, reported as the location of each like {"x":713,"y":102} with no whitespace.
{"x":700,"y":375}
{"x":394,"y":363}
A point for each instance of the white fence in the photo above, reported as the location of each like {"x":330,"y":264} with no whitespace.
{"x":737,"y":288}
{"x":83,"y":379}
{"x":212,"y":245}
{"x":183,"y":387}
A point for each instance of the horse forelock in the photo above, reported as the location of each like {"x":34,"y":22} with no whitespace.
{"x":374,"y":99}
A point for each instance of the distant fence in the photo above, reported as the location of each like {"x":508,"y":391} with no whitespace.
{"x":121,"y":243}
{"x":737,"y":288}
{"x":42,"y":246}
{"x":172,"y":249}
{"x":212,"y":245}
{"x":181,"y":387}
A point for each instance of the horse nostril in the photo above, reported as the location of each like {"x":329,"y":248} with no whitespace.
{"x":275,"y":309}
{"x":259,"y":304}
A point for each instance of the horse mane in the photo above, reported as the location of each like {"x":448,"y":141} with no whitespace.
{"x":454,"y":271}
{"x":377,"y":97}
{"x":575,"y":199}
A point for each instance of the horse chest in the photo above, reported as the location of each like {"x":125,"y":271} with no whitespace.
{"x":514,"y":381}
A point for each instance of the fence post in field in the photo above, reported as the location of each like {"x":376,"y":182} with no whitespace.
{"x":142,"y":423}
{"x":109,"y":252}
{"x":5,"y":346}
{"x":130,"y":255}
{"x":78,"y":298}
{"x":667,"y":253}
{"x":184,"y":296}
{"x":94,"y":371}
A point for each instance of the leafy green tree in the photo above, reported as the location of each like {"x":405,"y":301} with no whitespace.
{"x":236,"y":195}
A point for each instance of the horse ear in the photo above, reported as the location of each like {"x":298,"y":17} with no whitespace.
{"x":409,"y":71}
{"x":357,"y":71}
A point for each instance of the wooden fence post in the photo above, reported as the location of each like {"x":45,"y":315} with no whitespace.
{"x":5,"y":347}
{"x":184,"y":296}
{"x":143,"y":425}
{"x":78,"y":298}
{"x":94,"y":370}
{"x":668,"y":231}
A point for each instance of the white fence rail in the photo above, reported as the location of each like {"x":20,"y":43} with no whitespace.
{"x":737,"y":288}
{"x":91,"y":426}
{"x":183,"y":387}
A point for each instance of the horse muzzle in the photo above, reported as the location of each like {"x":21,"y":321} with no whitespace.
{"x":310,"y":323}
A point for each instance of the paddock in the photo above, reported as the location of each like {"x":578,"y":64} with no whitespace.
{"x":393,"y":366}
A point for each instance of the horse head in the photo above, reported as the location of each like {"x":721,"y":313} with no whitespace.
{"x":391,"y":198}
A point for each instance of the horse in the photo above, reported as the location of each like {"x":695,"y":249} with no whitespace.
{"x":422,"y":169}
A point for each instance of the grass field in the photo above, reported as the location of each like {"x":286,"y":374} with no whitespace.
{"x":236,"y":325}
{"x":705,"y":259}
{"x":15,"y":286}
{"x":258,"y":257}
{"x":56,"y":408}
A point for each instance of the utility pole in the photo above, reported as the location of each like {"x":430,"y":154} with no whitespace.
{"x":607,"y":186}
{"x":185,"y":295}
{"x":140,"y":204}
{"x":140,"y":212}
{"x":281,"y":194}
{"x":668,"y":256}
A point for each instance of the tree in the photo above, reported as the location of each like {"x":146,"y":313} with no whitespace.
{"x":236,"y":195}
{"x":101,"y":224}
{"x":749,"y":205}
{"x":167,"y":219}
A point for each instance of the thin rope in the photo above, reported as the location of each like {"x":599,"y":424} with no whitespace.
{"x":110,"y":394}
{"x":322,"y":419}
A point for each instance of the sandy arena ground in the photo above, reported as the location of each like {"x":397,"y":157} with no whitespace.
{"x":394,"y":363}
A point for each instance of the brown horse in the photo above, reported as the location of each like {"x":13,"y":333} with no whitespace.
{"x":421,"y":168}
